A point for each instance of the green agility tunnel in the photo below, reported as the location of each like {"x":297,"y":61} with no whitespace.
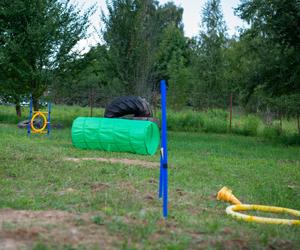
{"x":118,"y":135}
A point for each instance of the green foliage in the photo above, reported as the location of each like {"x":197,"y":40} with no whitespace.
{"x":172,"y":64}
{"x":271,"y":132}
{"x":61,"y":114}
{"x":209,"y":87}
{"x":144,"y":42}
{"x":290,"y":139}
{"x":250,"y":125}
{"x":37,"y":39}
{"x":132,"y":33}
{"x":97,"y":219}
{"x":85,"y":80}
{"x":273,"y":45}
{"x":213,"y":121}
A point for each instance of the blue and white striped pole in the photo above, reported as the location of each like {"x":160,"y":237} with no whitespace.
{"x":163,"y":180}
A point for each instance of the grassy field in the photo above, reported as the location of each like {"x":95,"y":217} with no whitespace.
{"x":47,"y":202}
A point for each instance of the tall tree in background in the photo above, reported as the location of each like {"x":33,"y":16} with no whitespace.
{"x":274,"y":27}
{"x":132,"y":33}
{"x":173,"y":58}
{"x":36,"y":38}
{"x":209,"y":88}
{"x":124,"y":28}
{"x":82,"y":78}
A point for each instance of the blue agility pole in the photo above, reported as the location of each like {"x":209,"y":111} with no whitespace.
{"x":163,"y":184}
{"x":160,"y":190}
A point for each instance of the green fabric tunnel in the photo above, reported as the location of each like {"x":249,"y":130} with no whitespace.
{"x":119,"y":135}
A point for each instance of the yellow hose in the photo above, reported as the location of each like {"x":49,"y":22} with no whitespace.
{"x":232,"y":210}
{"x":225,"y":194}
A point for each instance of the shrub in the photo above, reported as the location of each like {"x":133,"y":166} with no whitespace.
{"x":290,"y":139}
{"x":250,"y":125}
{"x":272,"y":131}
{"x":217,"y":113}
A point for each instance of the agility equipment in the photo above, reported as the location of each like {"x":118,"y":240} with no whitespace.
{"x":225,"y":194}
{"x":117,"y":135}
{"x":125,"y":135}
{"x":163,"y":178}
{"x":46,"y":122}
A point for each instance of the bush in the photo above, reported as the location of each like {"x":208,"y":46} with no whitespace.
{"x":250,"y":125}
{"x":273,"y":131}
{"x":217,"y":113}
{"x":290,"y":139}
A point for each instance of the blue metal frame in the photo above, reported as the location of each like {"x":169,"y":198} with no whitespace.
{"x":49,"y":116}
{"x":30,"y":116}
{"x":163,"y":179}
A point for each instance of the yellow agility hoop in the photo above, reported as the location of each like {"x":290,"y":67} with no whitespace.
{"x":232,"y":210}
{"x":38,"y":130}
{"x":225,"y":194}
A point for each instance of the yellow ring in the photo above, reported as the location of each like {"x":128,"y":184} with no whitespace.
{"x":38,"y":130}
{"x":231,"y":210}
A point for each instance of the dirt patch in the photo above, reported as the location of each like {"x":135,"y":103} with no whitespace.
{"x":202,"y":242}
{"x":128,"y":186}
{"x":280,"y":244}
{"x":22,"y":229}
{"x":97,"y":187}
{"x":124,"y":161}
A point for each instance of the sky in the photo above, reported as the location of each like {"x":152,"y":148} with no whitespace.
{"x":191,"y":18}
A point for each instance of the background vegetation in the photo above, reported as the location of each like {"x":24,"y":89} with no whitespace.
{"x":142,"y":42}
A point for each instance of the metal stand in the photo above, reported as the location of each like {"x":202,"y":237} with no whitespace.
{"x":39,"y":113}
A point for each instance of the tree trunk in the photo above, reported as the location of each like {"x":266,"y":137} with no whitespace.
{"x":18,"y":110}
{"x":35,"y":103}
{"x":91,"y":101}
{"x":298,"y":121}
{"x":280,"y":119}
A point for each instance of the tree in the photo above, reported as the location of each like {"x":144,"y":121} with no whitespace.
{"x":209,"y":89}
{"x":37,"y":38}
{"x":132,"y":33}
{"x":83,"y":78}
{"x":173,"y":58}
{"x":276,"y":25}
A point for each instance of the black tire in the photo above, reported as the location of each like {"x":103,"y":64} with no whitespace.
{"x":24,"y":124}
{"x":128,"y":105}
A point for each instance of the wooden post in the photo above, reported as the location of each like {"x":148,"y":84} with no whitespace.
{"x":18,"y":109}
{"x":230,"y":124}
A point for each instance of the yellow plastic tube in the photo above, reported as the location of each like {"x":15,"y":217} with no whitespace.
{"x":232,"y":210}
{"x":38,"y":130}
{"x":225,"y":194}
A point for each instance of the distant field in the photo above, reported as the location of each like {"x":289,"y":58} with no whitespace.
{"x":59,"y":204}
